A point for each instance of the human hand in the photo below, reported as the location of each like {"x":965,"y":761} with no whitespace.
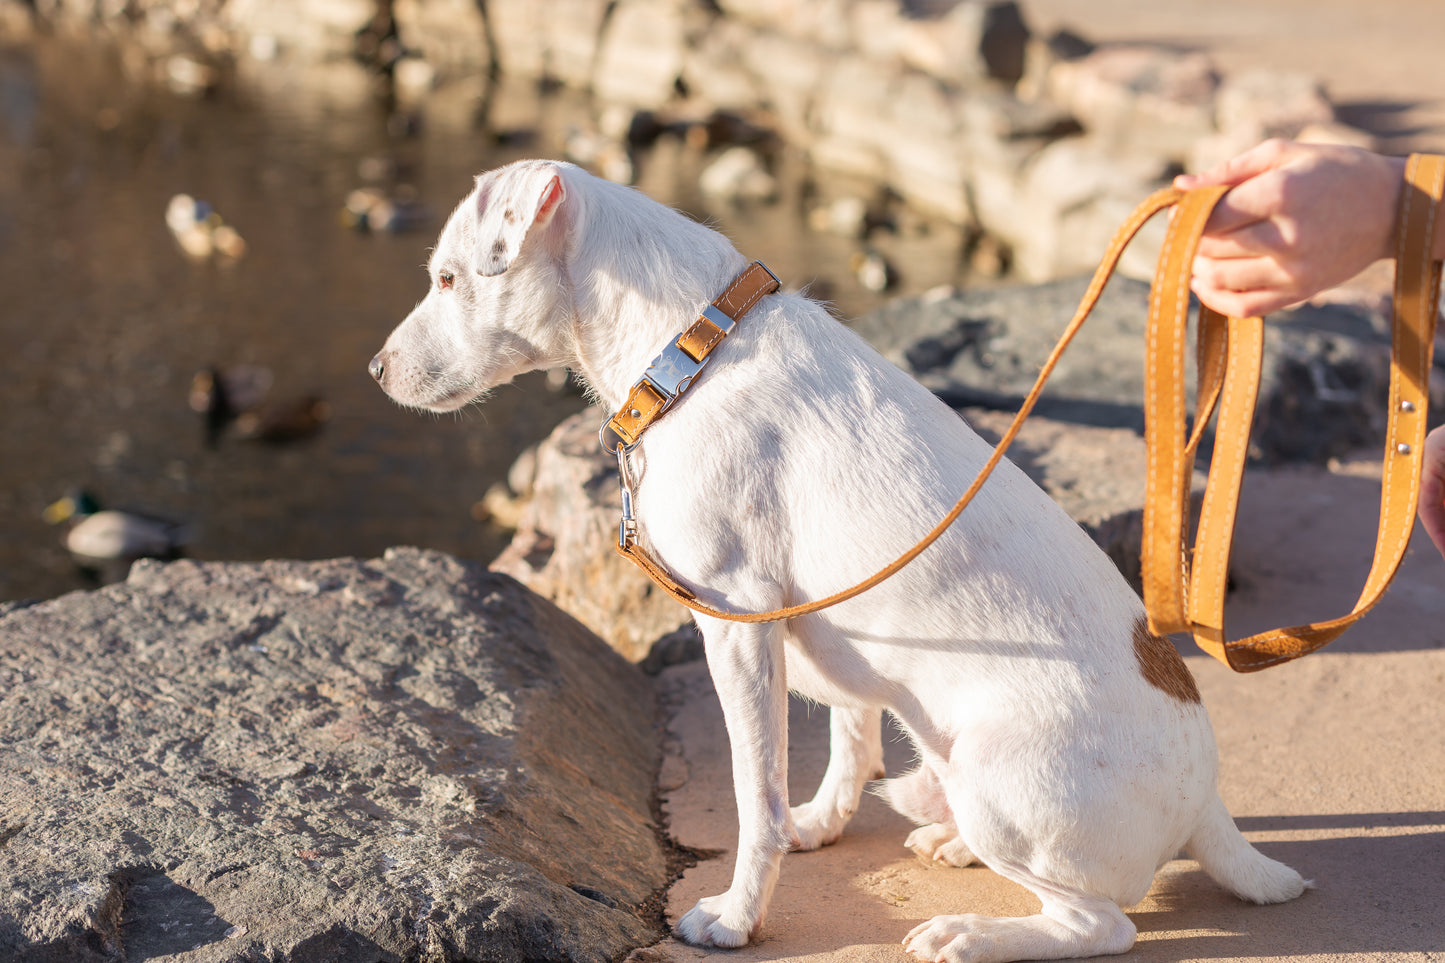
{"x":1299,"y":218}
{"x":1432,"y":488}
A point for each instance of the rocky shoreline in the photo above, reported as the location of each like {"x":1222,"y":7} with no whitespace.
{"x":1033,"y":146}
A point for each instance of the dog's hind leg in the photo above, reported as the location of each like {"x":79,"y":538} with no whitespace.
{"x":919,"y":796}
{"x":1070,"y":925}
{"x":855,"y":755}
{"x":940,"y":843}
{"x":746,"y":663}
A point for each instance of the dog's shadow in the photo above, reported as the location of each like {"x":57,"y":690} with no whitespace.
{"x":1378,"y":890}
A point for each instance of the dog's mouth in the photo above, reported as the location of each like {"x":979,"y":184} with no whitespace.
{"x":453,"y":400}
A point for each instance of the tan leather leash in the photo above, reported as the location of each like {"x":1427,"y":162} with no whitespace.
{"x":1229,"y":355}
{"x":1178,"y":599}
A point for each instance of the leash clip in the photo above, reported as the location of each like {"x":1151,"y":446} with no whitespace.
{"x":627,"y":527}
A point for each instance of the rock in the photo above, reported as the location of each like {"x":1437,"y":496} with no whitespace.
{"x":1139,"y":99}
{"x":967,"y":41}
{"x":640,"y":56}
{"x":918,"y":138}
{"x":849,"y":139}
{"x":737,"y":175}
{"x":447,"y":34}
{"x":518,"y":29}
{"x":878,"y":29}
{"x":565,"y":546}
{"x":1324,"y":378}
{"x":328,"y":27}
{"x":1074,"y":195}
{"x":1042,"y":54}
{"x":1270,"y":103}
{"x":604,"y":155}
{"x":873,"y":271}
{"x":795,"y":73}
{"x":397,"y":759}
{"x":714,"y":68}
{"x":572,"y":30}
{"x":820,"y":22}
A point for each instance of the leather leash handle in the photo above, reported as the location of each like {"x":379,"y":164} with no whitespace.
{"x":1416,"y":300}
{"x":1178,"y":600}
{"x":680,"y":593}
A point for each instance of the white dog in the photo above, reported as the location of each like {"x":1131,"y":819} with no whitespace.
{"x":1061,"y":743}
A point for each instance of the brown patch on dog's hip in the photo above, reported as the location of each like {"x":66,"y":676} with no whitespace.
{"x":1161,"y":664}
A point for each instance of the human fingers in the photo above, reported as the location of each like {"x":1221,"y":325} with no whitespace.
{"x":1244,"y":274}
{"x":1432,"y":489}
{"x":1258,"y":238}
{"x":1263,"y":157}
{"x":1232,"y":295}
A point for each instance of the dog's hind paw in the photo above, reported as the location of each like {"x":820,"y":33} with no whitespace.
{"x":939,"y":843}
{"x":816,"y":825}
{"x":709,"y":923}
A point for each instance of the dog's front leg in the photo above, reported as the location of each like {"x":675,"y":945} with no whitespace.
{"x":855,"y":755}
{"x":746,"y":662}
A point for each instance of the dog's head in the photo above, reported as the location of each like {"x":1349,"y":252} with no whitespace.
{"x":498,"y":304}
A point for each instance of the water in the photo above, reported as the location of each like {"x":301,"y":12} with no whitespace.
{"x":104,"y":320}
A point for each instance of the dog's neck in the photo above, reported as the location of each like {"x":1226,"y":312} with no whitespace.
{"x":640,"y":274}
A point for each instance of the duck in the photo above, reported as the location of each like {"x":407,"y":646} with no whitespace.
{"x":873,"y":271}
{"x":372,"y":210}
{"x":285,"y":422}
{"x":223,"y":394}
{"x":99,"y":538}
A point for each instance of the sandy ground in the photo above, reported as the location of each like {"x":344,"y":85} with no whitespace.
{"x":1334,"y":764}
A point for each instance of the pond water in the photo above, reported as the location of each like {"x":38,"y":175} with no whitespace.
{"x":104,"y":319}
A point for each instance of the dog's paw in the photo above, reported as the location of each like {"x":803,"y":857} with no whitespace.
{"x":939,"y":843}
{"x":953,"y":939}
{"x":710,"y":923}
{"x":816,"y":824}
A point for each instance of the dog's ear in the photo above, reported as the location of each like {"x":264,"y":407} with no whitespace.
{"x":516,"y":202}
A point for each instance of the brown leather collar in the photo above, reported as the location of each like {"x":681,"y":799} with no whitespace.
{"x":673,"y":371}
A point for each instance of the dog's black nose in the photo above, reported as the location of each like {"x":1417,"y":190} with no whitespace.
{"x":377,"y":367}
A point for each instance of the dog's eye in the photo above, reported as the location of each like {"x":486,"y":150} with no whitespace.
{"x":445,"y":279}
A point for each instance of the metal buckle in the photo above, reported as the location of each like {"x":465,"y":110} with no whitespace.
{"x":671,"y":372}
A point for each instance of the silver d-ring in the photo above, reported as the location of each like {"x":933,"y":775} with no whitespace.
{"x":606,"y":434}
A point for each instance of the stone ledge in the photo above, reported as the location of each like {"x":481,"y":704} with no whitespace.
{"x":392,"y":759}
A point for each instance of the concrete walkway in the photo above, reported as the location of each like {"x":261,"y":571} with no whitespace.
{"x":1334,"y":764}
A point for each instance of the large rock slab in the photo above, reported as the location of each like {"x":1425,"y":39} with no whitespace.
{"x":399,"y":759}
{"x":565,"y":545}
